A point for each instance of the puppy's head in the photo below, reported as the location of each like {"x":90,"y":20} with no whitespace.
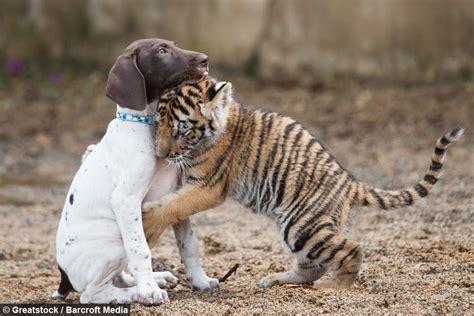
{"x":148,"y":67}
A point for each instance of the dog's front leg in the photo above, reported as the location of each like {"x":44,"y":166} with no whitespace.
{"x":127,"y":209}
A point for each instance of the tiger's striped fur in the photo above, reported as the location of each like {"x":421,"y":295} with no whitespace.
{"x":274,"y":166}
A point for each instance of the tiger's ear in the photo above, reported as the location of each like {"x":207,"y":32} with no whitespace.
{"x":218,"y":95}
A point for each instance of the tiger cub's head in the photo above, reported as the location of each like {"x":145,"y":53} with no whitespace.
{"x":191,"y":117}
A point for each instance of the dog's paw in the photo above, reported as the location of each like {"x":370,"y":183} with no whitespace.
{"x":165,"y":279}
{"x":201,"y":282}
{"x":151,"y":294}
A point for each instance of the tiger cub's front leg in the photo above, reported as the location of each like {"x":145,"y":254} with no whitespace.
{"x":177,"y":206}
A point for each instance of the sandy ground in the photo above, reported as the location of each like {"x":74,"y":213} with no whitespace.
{"x":418,"y":259}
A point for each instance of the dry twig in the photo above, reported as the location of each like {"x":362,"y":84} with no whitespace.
{"x":233,"y":270}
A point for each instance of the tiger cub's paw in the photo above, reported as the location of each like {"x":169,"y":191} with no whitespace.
{"x":266,"y":282}
{"x":270,"y":280}
{"x":287,"y":277}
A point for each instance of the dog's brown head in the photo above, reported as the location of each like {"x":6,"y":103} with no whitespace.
{"x":148,"y":67}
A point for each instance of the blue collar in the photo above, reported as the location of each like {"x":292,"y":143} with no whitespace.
{"x":145,"y":119}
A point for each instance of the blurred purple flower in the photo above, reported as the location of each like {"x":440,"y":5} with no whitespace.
{"x":14,"y":67}
{"x":55,"y":76}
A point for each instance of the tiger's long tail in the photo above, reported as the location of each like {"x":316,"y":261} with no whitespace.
{"x":390,"y":199}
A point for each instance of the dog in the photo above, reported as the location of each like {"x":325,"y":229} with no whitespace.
{"x":100,"y":233}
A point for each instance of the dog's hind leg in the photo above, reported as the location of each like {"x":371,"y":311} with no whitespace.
{"x":163,"y":279}
{"x":65,"y":286}
{"x":124,"y":279}
{"x":109,"y":292}
{"x":189,"y":251}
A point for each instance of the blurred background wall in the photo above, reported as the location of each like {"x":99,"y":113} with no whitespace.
{"x":302,"y":40}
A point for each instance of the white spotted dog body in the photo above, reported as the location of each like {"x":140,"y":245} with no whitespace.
{"x":100,"y":233}
{"x":274,"y":166}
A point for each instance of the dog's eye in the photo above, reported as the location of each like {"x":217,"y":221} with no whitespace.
{"x":162,"y":51}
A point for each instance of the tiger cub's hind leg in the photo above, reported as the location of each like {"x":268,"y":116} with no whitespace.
{"x":306,"y":271}
{"x":344,"y":256}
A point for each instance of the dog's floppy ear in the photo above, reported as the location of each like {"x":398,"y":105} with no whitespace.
{"x":126,"y":85}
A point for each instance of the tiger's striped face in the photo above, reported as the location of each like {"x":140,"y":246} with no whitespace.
{"x":189,"y":117}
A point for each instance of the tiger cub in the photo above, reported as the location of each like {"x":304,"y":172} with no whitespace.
{"x":274,"y":166}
